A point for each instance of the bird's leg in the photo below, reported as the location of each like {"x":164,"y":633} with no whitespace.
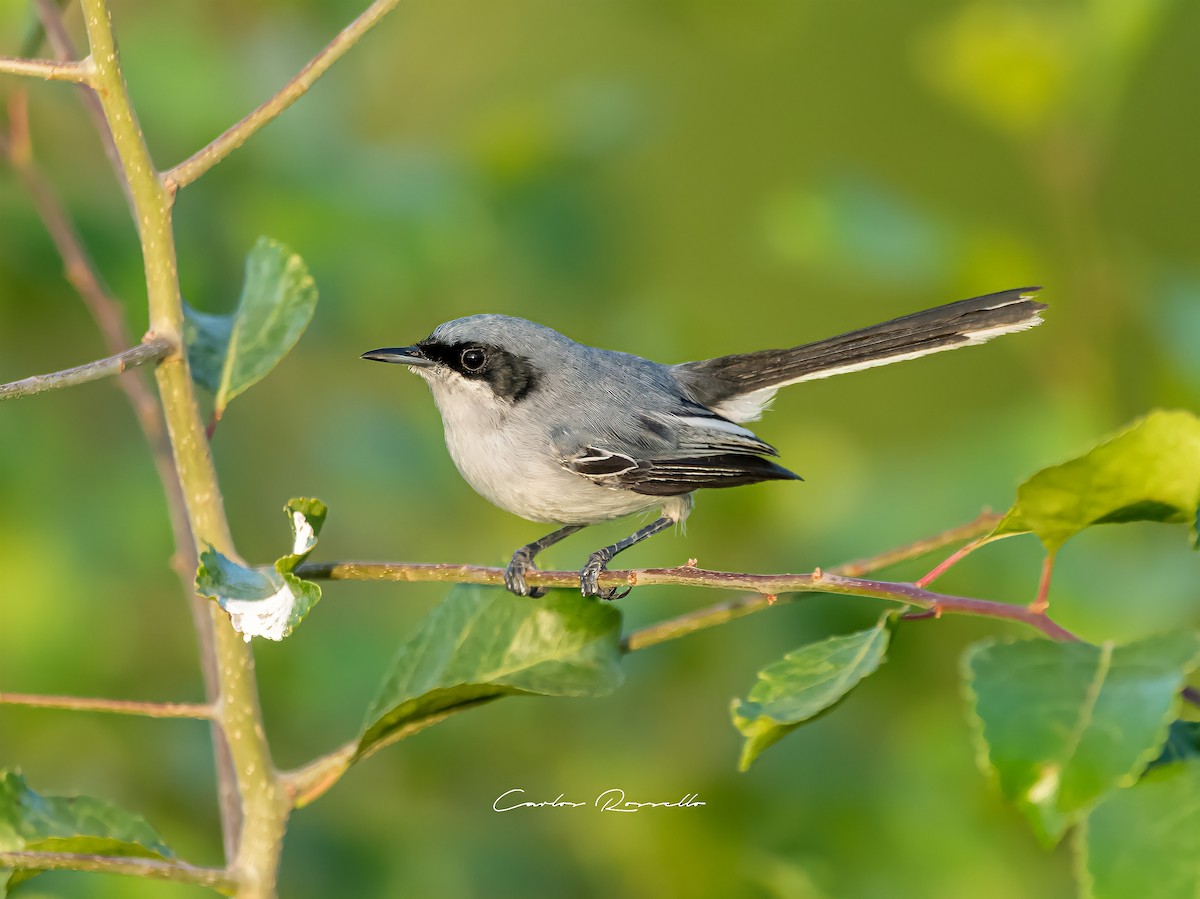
{"x":522,"y":561}
{"x":598,"y":561}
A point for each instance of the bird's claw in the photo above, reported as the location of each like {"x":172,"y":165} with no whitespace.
{"x":514,"y":576}
{"x":589,"y":580}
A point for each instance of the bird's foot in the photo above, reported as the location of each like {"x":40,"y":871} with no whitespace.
{"x":514,"y":575}
{"x":589,"y":578}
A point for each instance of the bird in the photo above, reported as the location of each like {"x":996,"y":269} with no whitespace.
{"x":564,"y":433}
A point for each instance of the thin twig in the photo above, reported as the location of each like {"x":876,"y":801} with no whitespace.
{"x":152,"y":350}
{"x":474,"y":574}
{"x":984,"y":524}
{"x":1042,"y":601}
{"x":113,"y":706}
{"x":828,"y":582}
{"x":82,"y":274}
{"x":203,"y":160}
{"x":765,"y":585}
{"x":76,"y":71}
{"x":152,"y":868}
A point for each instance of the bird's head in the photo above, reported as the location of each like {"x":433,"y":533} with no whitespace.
{"x":481,"y":360}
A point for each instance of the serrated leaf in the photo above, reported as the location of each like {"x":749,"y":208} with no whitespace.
{"x":266,"y":601}
{"x":1063,"y":724}
{"x":230,"y":353}
{"x":1149,"y":472}
{"x":480,"y":643}
{"x":30,"y":822}
{"x":1145,"y":841}
{"x":805,"y":683}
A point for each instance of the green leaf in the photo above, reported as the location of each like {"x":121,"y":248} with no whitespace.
{"x":804,"y":683}
{"x":267,"y":601}
{"x":307,"y":517}
{"x":229,"y":353}
{"x":1149,"y":472}
{"x":480,"y":643}
{"x":1062,"y":724}
{"x":30,"y":822}
{"x":1145,"y":841}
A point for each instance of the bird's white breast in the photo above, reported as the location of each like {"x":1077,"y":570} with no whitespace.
{"x":512,"y":465}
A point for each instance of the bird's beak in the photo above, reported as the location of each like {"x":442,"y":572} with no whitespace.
{"x":405,"y":355}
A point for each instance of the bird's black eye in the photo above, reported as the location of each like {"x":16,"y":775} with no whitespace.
{"x":472,"y":359}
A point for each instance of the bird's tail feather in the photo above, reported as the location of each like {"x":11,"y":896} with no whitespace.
{"x":739,"y":386}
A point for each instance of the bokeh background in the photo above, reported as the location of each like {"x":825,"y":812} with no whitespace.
{"x":673,"y":178}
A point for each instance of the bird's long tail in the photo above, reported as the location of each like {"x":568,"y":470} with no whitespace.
{"x":739,"y":386}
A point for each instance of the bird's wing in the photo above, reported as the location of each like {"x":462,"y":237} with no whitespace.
{"x":676,"y":454}
{"x":739,"y":387}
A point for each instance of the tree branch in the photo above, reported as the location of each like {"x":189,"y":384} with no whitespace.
{"x":475,"y":574}
{"x":263,"y":803}
{"x":766,"y":589}
{"x":77,"y":72}
{"x":311,"y":781}
{"x":153,"y":350}
{"x":114,"y":706}
{"x":153,"y":868}
{"x":203,"y":160}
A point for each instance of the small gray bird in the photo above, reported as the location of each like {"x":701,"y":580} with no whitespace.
{"x":556,"y":431}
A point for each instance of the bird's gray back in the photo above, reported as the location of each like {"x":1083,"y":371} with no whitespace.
{"x":585,"y":395}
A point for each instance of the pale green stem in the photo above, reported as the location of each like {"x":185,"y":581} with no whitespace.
{"x":264,"y":803}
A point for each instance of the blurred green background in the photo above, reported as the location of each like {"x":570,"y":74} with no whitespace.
{"x":672,"y":178}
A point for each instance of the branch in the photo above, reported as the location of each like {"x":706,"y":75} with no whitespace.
{"x":473,"y":574}
{"x":156,"y":869}
{"x":765,"y":589}
{"x":114,"y":706}
{"x":151,"y":351}
{"x":768,"y":587}
{"x":78,"y":72}
{"x":203,"y":160}
{"x":309,"y":782}
{"x":263,"y":803}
